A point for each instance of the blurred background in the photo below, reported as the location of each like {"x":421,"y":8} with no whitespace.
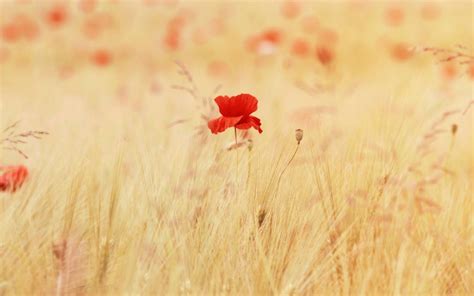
{"x":70,"y":66}
{"x":378,"y":199}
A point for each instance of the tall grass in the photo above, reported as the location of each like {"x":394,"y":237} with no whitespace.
{"x":130,"y":194}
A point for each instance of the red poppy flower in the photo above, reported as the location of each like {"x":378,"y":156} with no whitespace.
{"x":12,"y":177}
{"x":235,"y":112}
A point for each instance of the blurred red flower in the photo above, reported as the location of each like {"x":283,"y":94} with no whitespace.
{"x":324,"y":55}
{"x":218,"y":68}
{"x":101,"y":57}
{"x":272,"y":35}
{"x":290,"y":9}
{"x":56,"y":15}
{"x":173,"y":33}
{"x":12,"y":177}
{"x":266,"y":42}
{"x":21,"y":26}
{"x":471,"y":71}
{"x":328,"y":36}
{"x":401,"y":51}
{"x":394,"y":16}
{"x":11,"y":32}
{"x":235,"y":112}
{"x":430,"y":11}
{"x":449,"y":71}
{"x":300,"y":47}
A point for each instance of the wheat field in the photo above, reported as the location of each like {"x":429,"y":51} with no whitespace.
{"x":129,"y":193}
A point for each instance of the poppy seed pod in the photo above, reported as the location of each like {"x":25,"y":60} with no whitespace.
{"x":299,"y":135}
{"x":454,"y":129}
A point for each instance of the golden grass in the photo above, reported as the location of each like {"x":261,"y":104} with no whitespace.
{"x":130,"y":194}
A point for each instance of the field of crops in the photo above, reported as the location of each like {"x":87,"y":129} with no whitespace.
{"x":236,"y":147}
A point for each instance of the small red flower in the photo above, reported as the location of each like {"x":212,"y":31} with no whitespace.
{"x":12,"y":177}
{"x":235,"y":112}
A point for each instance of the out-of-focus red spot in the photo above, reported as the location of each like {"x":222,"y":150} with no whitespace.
{"x":57,"y":15}
{"x":328,"y":36}
{"x":300,"y":47}
{"x":174,"y":28}
{"x":272,"y":35}
{"x":310,"y":24}
{"x":290,"y":9}
{"x":218,"y":68}
{"x":92,"y":28}
{"x":324,"y":55}
{"x":266,"y":42}
{"x":11,"y":32}
{"x":449,"y":71}
{"x":430,"y":11}
{"x":101,"y":57}
{"x":28,"y":28}
{"x":21,"y":26}
{"x":155,"y":87}
{"x":173,"y":39}
{"x":87,"y":6}
{"x":470,"y":71}
{"x":394,"y":16}
{"x":401,"y":52}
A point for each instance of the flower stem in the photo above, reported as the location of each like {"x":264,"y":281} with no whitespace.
{"x":237,"y":159}
{"x":286,"y":167}
{"x":249,"y":167}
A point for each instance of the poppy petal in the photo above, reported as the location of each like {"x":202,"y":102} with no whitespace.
{"x":3,"y":184}
{"x":241,"y":105}
{"x":222,"y":123}
{"x":248,"y":122}
{"x":13,"y":178}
